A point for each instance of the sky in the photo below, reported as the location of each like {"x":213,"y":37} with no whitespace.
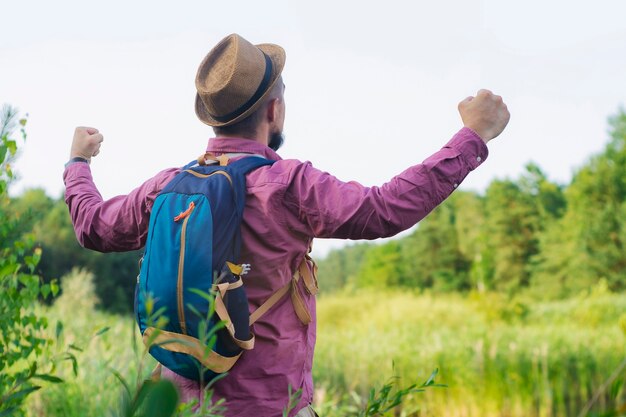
{"x":372,"y":87}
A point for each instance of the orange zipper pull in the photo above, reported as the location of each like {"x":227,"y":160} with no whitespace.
{"x":185,"y":213}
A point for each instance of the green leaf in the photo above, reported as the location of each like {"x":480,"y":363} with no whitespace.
{"x":206,"y":295}
{"x":54,"y":287}
{"x":616,"y":388}
{"x":216,"y":378}
{"x":32,"y":370}
{"x":70,"y":357}
{"x":74,"y":347}
{"x":49,"y":378}
{"x":161,"y":399}
{"x":22,"y":393}
{"x":45,"y":290}
{"x":149,"y":303}
{"x":102,"y":331}
{"x":121,"y":379}
{"x":140,"y":397}
{"x":161,"y":322}
{"x":59,"y":330}
{"x":431,"y":379}
{"x":12,"y":146}
{"x":195,"y":311}
{"x":8,"y":412}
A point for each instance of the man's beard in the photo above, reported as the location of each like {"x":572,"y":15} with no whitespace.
{"x":276,"y":140}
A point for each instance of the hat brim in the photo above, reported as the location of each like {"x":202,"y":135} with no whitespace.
{"x":277,"y":56}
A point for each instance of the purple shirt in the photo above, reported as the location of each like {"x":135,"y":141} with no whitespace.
{"x":288,"y":204}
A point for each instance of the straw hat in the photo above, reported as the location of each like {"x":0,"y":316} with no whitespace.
{"x":234,"y":79}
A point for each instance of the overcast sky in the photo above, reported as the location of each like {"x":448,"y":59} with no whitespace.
{"x":372,"y":87}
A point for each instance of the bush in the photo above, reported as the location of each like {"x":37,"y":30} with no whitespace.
{"x":22,"y":338}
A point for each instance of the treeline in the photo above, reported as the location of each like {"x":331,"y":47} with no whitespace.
{"x":47,"y":221}
{"x":527,"y":234}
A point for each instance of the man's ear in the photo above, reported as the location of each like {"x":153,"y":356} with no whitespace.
{"x":272,"y":110}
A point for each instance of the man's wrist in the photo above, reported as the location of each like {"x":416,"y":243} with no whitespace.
{"x":478,"y":134}
{"x":75,"y":160}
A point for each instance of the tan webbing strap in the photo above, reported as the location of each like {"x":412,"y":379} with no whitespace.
{"x":223,"y":159}
{"x":235,"y":284}
{"x":296,"y":298}
{"x":222,"y":313}
{"x":209,"y":158}
{"x":309,"y":278}
{"x":298,"y":304}
{"x":156,"y":372}
{"x":269,"y":303}
{"x":227,"y":286}
{"x":175,"y":342}
{"x":206,"y":159}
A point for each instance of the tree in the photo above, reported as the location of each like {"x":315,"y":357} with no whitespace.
{"x":341,"y":266}
{"x":588,"y":243}
{"x":431,"y":256}
{"x":381,"y":267}
{"x":516,"y":215}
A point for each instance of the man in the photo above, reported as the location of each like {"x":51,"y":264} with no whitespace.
{"x":240,"y":94}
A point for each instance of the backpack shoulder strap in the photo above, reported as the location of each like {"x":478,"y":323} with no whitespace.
{"x":249,"y":163}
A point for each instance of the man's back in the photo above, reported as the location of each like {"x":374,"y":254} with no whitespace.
{"x":287,"y":205}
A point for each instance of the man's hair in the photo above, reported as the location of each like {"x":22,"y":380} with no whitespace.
{"x":245,"y":128}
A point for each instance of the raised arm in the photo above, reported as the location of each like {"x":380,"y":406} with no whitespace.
{"x":328,"y":207}
{"x":117,"y":224}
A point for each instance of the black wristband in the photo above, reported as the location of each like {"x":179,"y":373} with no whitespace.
{"x":76,"y":159}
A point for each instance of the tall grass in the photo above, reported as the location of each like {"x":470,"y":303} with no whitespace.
{"x":498,"y":357}
{"x":107,"y":343}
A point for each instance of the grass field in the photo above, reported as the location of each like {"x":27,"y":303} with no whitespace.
{"x":498,"y":358}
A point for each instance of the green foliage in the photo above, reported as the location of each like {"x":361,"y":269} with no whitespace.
{"x":511,"y":226}
{"x":342,"y":267}
{"x":495,"y":358}
{"x":381,"y":268}
{"x":22,"y":330}
{"x":431,"y":256}
{"x":389,"y":397}
{"x":587,"y":243}
{"x":48,"y":223}
{"x":294,"y":398}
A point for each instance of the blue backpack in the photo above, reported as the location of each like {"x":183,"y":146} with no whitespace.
{"x":190,"y":269}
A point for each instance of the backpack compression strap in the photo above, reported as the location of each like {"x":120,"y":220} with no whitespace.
{"x":182,"y":343}
{"x":310,"y":283}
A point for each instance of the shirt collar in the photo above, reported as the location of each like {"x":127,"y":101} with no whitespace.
{"x":222,"y":145}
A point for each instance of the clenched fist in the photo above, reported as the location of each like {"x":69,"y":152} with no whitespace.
{"x":86,"y":143}
{"x":486,"y":114}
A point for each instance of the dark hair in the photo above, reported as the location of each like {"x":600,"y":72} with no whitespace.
{"x":245,"y":128}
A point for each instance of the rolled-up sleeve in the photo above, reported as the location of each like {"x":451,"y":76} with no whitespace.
{"x":330,"y":208}
{"x":117,"y":224}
